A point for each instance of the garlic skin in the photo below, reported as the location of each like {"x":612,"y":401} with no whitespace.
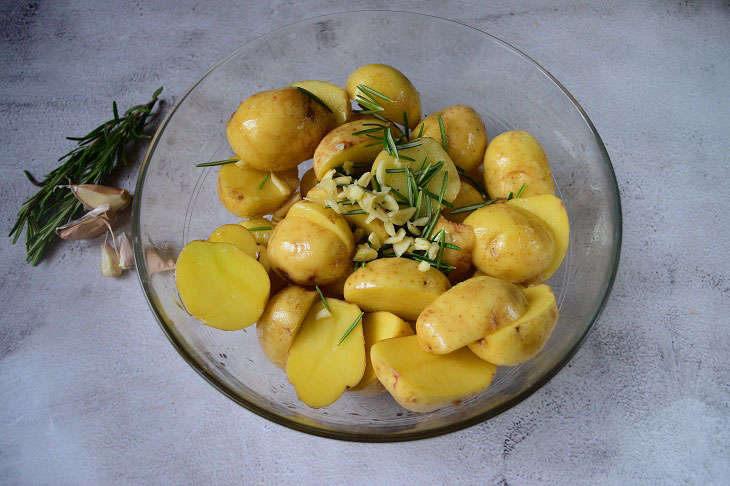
{"x":109,"y":261}
{"x":156,"y":264}
{"x":93,"y":195}
{"x":89,"y":226}
{"x":126,"y":256}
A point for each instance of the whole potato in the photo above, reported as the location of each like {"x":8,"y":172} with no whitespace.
{"x":515,"y":158}
{"x":511,"y":243}
{"x":468,"y":195}
{"x":393,"y":84}
{"x":466,"y":137}
{"x":460,"y":235}
{"x":241,"y":191}
{"x":276,"y":130}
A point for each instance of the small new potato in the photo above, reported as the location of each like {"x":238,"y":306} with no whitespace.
{"x":276,"y":130}
{"x":238,"y":190}
{"x":515,"y":158}
{"x":468,"y":195}
{"x":395,"y":285}
{"x":460,"y":235}
{"x":421,"y":381}
{"x":220,"y":285}
{"x":392,"y":83}
{"x":357,"y":220}
{"x":511,"y":243}
{"x":332,"y":95}
{"x":278,"y":325}
{"x":523,"y":339}
{"x":260,"y":228}
{"x":466,"y":136}
{"x":319,"y":366}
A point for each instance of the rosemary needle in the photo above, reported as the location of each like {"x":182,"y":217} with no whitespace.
{"x":315,"y":98}
{"x":232,"y":160}
{"x":349,"y":330}
{"x":263,"y":181}
{"x":260,"y":228}
{"x":321,"y":297}
{"x":443,"y":132}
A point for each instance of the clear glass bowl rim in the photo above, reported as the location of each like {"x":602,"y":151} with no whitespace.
{"x":364,"y":437}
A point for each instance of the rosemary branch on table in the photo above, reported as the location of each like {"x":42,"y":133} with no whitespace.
{"x":97,"y":156}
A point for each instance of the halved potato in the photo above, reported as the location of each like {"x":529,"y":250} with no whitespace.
{"x":309,"y":180}
{"x":395,"y":285}
{"x":524,"y":338}
{"x":358,"y":220}
{"x":261,"y":229}
{"x":467,"y":312}
{"x":278,"y":325}
{"x":421,"y":381}
{"x":430,"y":151}
{"x":283,"y":210}
{"x":551,"y":210}
{"x":238,"y":190}
{"x":514,"y":158}
{"x":460,"y":235}
{"x":319,"y":367}
{"x":221,"y":285}
{"x":333,"y":96}
{"x":325,"y":218}
{"x":377,"y":326}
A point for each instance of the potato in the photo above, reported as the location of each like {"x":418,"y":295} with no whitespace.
{"x":429,"y":150}
{"x":524,"y":338}
{"x":319,"y":366}
{"x":221,"y":285}
{"x":466,"y":137}
{"x":237,"y":236}
{"x":468,"y":195}
{"x":551,"y":211}
{"x":460,"y":235}
{"x":309,"y":180}
{"x":278,"y":325}
{"x":511,"y":243}
{"x":421,"y":381}
{"x":392,"y":83}
{"x":238,"y":190}
{"x":377,"y":326}
{"x":283,"y":210}
{"x":337,"y":289}
{"x":332,"y":95}
{"x":258,"y":226}
{"x":311,"y":246}
{"x":467,"y":312}
{"x":395,"y":285}
{"x":515,"y":158}
{"x":276,"y":130}
{"x":358,"y":220}
{"x":340,"y":145}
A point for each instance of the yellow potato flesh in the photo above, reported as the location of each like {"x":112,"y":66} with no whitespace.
{"x":340,"y":145}
{"x":221,"y":285}
{"x":333,"y":96}
{"x":319,"y":368}
{"x":260,"y":235}
{"x":429,"y":150}
{"x":237,"y":236}
{"x":377,"y":326}
{"x":278,"y":325}
{"x":466,"y":137}
{"x":238,"y":190}
{"x":393,"y":84}
{"x":467,"y":196}
{"x":358,"y":220}
{"x":511,"y":243}
{"x":515,"y":158}
{"x":421,"y":381}
{"x":551,"y":211}
{"x":467,"y":312}
{"x":276,"y":130}
{"x":395,"y":285}
{"x":524,"y":338}
{"x":325,"y":218}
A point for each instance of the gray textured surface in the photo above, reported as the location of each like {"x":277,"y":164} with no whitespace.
{"x":91,"y":392}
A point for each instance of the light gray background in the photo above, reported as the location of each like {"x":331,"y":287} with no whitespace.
{"x":91,"y":392}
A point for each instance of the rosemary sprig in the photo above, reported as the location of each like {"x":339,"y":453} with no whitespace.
{"x":315,"y":98}
{"x":443,"y":132}
{"x":260,"y":228}
{"x":97,"y":156}
{"x":214,"y":163}
{"x":372,"y":92}
{"x":350,"y":329}
{"x":263,"y":181}
{"x":321,"y":297}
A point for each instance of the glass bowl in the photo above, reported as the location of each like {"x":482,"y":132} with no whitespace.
{"x":449,"y":63}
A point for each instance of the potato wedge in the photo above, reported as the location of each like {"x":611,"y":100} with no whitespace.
{"x":550,"y":210}
{"x":524,"y":338}
{"x":278,"y":325}
{"x":515,"y":158}
{"x":392,"y":83}
{"x":467,"y":312}
{"x":333,"y":96}
{"x":421,"y":382}
{"x":258,"y":228}
{"x":238,"y":190}
{"x":325,"y":218}
{"x":460,"y":235}
{"x":319,"y":367}
{"x":377,"y":326}
{"x":395,"y":285}
{"x":221,"y":285}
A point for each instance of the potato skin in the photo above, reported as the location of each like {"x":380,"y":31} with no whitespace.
{"x":466,"y":135}
{"x":393,"y":84}
{"x":515,"y":158}
{"x":461,"y":235}
{"x":467,"y":196}
{"x":276,"y":130}
{"x":511,"y":243}
{"x":261,"y":236}
{"x":239,"y":193}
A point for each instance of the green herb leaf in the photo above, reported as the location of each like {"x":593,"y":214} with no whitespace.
{"x":472,"y":207}
{"x":232,"y":160}
{"x":443,"y":132}
{"x":351,"y":328}
{"x":406,"y":130}
{"x":263,"y":181}
{"x":321,"y":297}
{"x":372,"y":92}
{"x":260,"y":228}
{"x":314,"y":97}
{"x":522,"y":188}
{"x":354,"y":211}
{"x":420,"y":132}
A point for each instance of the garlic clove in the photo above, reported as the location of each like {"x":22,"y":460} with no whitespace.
{"x":126,"y":256}
{"x":109,"y":261}
{"x":89,"y":226}
{"x":93,"y":195}
{"x":156,"y":264}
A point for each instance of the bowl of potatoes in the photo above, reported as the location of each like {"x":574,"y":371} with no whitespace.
{"x":377,"y":226}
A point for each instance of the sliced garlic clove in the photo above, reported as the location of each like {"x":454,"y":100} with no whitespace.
{"x":93,"y":195}
{"x":424,"y":266}
{"x":109,"y":261}
{"x":126,"y":257}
